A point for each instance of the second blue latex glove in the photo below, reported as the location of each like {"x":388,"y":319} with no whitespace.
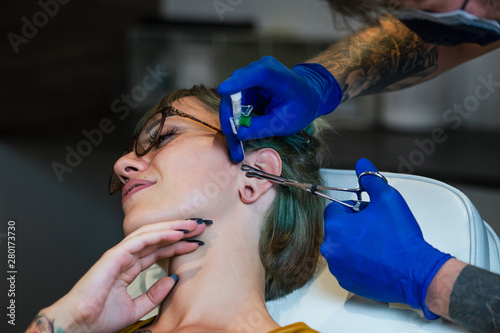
{"x":380,"y":252}
{"x":284,"y":100}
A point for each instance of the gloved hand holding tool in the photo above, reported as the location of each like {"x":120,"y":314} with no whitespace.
{"x":284,"y":100}
{"x":380,"y":252}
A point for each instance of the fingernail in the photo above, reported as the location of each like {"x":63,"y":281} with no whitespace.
{"x":183,"y":230}
{"x":176,"y":279}
{"x":208,"y":222}
{"x":195,"y":241}
{"x":197,"y":219}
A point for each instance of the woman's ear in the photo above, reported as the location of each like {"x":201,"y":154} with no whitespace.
{"x":252,"y":188}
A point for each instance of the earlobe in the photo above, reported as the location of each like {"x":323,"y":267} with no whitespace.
{"x":252,"y":188}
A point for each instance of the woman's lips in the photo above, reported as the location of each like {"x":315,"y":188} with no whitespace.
{"x":133,"y":186}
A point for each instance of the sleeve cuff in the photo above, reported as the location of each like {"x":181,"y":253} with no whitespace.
{"x":427,"y":313}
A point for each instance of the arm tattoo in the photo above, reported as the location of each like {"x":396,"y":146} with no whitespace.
{"x":475,"y":300}
{"x":383,"y":57}
{"x":43,"y":324}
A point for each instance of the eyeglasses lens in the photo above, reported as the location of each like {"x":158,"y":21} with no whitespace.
{"x":148,"y":136}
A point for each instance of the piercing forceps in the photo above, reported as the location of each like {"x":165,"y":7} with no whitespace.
{"x":313,"y":188}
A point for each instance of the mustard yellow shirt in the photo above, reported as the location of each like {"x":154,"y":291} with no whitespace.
{"x":293,"y":328}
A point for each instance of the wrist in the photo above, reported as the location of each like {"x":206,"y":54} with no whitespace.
{"x":55,"y":318}
{"x":439,"y":291}
{"x":443,"y":258}
{"x":324,"y":83}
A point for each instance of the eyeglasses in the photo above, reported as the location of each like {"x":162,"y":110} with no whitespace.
{"x":149,"y":138}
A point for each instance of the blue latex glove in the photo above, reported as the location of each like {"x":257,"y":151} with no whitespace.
{"x":380,"y":252}
{"x":287,"y":99}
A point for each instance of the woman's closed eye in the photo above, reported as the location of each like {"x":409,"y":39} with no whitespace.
{"x":165,"y":137}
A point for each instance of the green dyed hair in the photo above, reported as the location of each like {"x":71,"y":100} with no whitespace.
{"x":292,"y":230}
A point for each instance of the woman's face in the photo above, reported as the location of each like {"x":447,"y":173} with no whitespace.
{"x":188,"y":175}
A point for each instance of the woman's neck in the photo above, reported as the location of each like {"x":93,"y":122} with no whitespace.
{"x":221,"y":285}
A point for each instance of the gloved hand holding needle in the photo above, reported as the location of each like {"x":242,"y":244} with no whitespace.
{"x":289,"y":98}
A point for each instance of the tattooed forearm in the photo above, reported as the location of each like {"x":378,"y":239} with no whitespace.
{"x":42,"y":324}
{"x":475,"y":300}
{"x":383,"y":57}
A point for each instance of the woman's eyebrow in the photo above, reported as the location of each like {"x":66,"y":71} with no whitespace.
{"x":176,"y":117}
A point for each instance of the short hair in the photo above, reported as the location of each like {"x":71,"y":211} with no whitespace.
{"x":292,"y":230}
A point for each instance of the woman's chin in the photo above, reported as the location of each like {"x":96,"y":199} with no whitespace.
{"x":132,"y":222}
{"x":136,"y":218}
{"x":129,"y":228}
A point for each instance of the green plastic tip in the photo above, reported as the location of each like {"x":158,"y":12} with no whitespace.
{"x":245,"y":121}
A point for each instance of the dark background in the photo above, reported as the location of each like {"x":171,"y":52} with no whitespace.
{"x":65,"y":79}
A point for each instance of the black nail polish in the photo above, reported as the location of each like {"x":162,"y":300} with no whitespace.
{"x":195,"y":241}
{"x":208,"y":222}
{"x":197,"y":219}
{"x":176,"y":279}
{"x":183,"y":230}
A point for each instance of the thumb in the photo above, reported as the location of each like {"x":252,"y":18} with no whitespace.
{"x":374,"y":185}
{"x":225,"y":112}
{"x":154,"y":296}
{"x":336,"y":209}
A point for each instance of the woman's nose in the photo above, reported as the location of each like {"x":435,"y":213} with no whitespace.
{"x":129,"y":165}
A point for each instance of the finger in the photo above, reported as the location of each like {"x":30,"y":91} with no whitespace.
{"x":337,"y":209}
{"x":129,"y":259}
{"x":374,"y":185}
{"x":151,"y":255}
{"x":130,"y":269}
{"x":146,"y":246}
{"x":334,"y":215}
{"x":225,"y":113}
{"x":188,"y":233}
{"x":153,"y":297}
{"x":363,"y":165}
{"x":158,"y":249}
{"x":188,"y":224}
{"x":149,"y":240}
